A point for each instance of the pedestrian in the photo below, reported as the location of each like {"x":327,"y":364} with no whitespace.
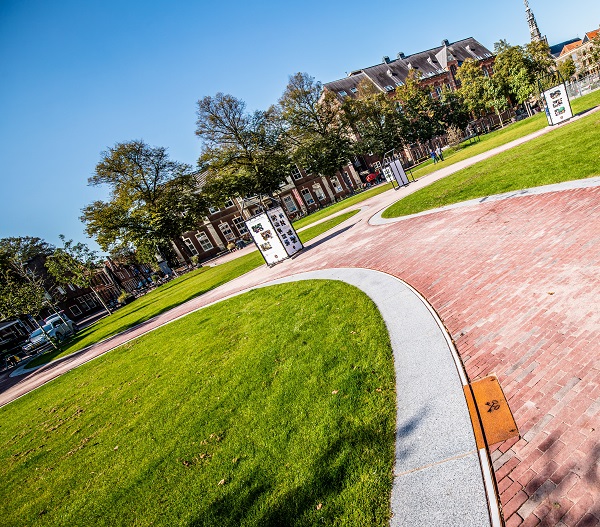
{"x":231,"y":247}
{"x":433,"y":156}
{"x":439,"y":153}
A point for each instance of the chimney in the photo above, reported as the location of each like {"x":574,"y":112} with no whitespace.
{"x":401,"y":55}
{"x":386,"y":60}
{"x":445,"y":43}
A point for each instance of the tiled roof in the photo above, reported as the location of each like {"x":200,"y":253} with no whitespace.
{"x":556,"y":49}
{"x":570,"y":47}
{"x":590,"y":35}
{"x":430,"y":63}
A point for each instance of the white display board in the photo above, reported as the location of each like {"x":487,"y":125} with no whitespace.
{"x":274,"y":235}
{"x":558,"y":106}
{"x":395,"y":172}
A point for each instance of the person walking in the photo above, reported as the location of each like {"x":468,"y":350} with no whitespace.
{"x":433,"y":157}
{"x":439,"y":153}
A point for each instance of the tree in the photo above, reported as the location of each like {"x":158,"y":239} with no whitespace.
{"x":420,"y":110}
{"x":480,"y":92}
{"x":318,"y":137}
{"x":452,"y":111}
{"x":23,"y":291}
{"x":376,"y":120}
{"x":472,"y":86}
{"x":244,"y":154}
{"x":152,"y":200}
{"x":76,"y":264}
{"x":567,"y":68}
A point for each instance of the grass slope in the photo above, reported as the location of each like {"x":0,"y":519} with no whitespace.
{"x":172,"y":294}
{"x":568,"y":153}
{"x":276,"y":407}
{"x":336,"y":207}
{"x":503,"y":136}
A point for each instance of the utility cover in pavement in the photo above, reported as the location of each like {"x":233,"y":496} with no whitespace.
{"x":494,"y":414}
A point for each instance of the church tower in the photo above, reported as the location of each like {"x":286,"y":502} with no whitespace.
{"x":534,"y":30}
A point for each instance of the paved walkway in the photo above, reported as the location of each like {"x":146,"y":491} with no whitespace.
{"x":516,"y":284}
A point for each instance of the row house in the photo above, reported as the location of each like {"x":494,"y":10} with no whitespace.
{"x":108,"y":282}
{"x":579,"y":52}
{"x":300,"y":194}
{"x":435,"y":68}
{"x":303,"y":193}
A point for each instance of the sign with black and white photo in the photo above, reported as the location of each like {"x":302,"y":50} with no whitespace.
{"x":274,"y":235}
{"x":558,"y":106}
{"x":394,"y":172}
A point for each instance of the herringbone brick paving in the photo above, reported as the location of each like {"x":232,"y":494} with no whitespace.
{"x":517,"y":284}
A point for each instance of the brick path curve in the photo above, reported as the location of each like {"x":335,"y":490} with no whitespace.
{"x":516,"y":283}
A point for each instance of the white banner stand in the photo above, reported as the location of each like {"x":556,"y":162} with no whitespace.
{"x":274,"y":235}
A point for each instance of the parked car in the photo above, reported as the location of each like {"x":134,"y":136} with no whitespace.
{"x":62,"y":318}
{"x":54,"y":328}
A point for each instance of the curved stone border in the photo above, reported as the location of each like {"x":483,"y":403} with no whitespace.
{"x":440,"y":478}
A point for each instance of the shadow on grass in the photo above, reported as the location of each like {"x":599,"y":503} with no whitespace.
{"x":256,"y":501}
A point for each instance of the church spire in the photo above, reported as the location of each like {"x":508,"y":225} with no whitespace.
{"x":534,"y":30}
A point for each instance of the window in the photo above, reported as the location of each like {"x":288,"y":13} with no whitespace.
{"x":90,"y":300}
{"x":377,"y":165}
{"x":289,"y":204}
{"x":342,"y":93}
{"x":71,"y":287}
{"x":307,"y":196}
{"x":240,"y":225}
{"x":227,"y":232}
{"x":75,"y":311}
{"x":61,"y":290}
{"x":229,"y":203}
{"x":335,"y":182}
{"x":190,"y":245}
{"x":213,"y":210}
{"x":204,"y":241}
{"x":438,"y":90}
{"x":318,"y":190}
{"x":389,"y":88}
{"x":353,"y":90}
{"x":296,"y":174}
{"x":485,"y":71}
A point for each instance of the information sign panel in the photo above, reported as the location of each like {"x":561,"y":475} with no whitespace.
{"x":558,"y":106}
{"x":395,"y":172}
{"x":274,"y":235}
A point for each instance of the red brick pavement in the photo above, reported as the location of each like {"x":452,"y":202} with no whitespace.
{"x":516,"y":283}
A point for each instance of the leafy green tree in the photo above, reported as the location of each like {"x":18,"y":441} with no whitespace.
{"x":318,"y":136}
{"x":23,"y":290}
{"x":567,"y":68}
{"x":473,"y":86}
{"x":152,"y":200}
{"x":420,"y":110}
{"x":540,"y":61}
{"x":452,"y":111}
{"x":375,"y":119}
{"x":243,"y":153}
{"x":480,"y":92}
{"x":76,"y":264}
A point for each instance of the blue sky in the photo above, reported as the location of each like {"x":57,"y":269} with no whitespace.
{"x":78,"y":77}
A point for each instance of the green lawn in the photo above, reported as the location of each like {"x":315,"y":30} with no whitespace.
{"x":336,"y":207}
{"x":567,"y":153}
{"x":172,"y":294}
{"x":276,"y":407}
{"x":502,"y":136}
